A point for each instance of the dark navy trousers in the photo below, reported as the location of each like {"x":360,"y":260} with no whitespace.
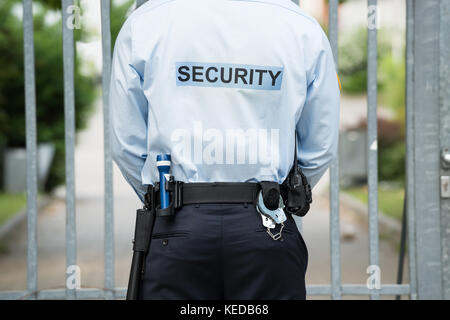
{"x":222,"y":251}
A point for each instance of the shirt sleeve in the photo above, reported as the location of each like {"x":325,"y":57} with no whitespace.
{"x":129,"y":111}
{"x":318,"y":126}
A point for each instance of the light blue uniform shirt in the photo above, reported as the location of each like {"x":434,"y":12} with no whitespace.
{"x":222,"y":85}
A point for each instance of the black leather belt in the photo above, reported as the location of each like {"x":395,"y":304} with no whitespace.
{"x":200,"y":193}
{"x":220,"y":192}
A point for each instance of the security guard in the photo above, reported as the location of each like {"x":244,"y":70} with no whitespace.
{"x":229,"y":89}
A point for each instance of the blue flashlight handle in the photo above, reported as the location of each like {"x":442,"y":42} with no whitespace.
{"x":163,"y":164}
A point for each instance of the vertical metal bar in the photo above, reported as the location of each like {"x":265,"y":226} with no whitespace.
{"x":334,"y":173}
{"x":444,"y":52}
{"x":31,"y":144}
{"x":410,"y":177}
{"x":401,"y":256}
{"x":109,"y":210}
{"x":426,"y":148}
{"x":372,"y":149}
{"x":69,"y":115}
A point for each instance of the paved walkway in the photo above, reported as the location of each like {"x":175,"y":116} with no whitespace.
{"x":89,"y":210}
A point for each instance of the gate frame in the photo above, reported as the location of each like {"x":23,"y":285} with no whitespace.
{"x":430,"y":128}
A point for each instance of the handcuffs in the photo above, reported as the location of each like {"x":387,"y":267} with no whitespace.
{"x":293,"y":197}
{"x":271,"y":218}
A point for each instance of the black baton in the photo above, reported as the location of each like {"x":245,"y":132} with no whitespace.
{"x":145,"y":219}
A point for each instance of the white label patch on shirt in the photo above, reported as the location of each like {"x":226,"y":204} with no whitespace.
{"x":227,"y":75}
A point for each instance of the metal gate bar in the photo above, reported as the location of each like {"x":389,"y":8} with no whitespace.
{"x":335,"y":234}
{"x":410,"y":178}
{"x":69,"y":115}
{"x":426,"y":108}
{"x":120,"y":293}
{"x":372,"y":139}
{"x":108,"y":200}
{"x":31,"y":145}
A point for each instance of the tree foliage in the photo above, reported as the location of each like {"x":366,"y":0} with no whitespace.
{"x":49,"y":79}
{"x":118,"y":17}
{"x":49,"y":85}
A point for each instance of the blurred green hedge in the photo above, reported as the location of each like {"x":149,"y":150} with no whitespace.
{"x":391,"y":92}
{"x":49,"y":79}
{"x":391,"y":71}
{"x":391,"y":149}
{"x":353,"y":59}
{"x":49,"y":85}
